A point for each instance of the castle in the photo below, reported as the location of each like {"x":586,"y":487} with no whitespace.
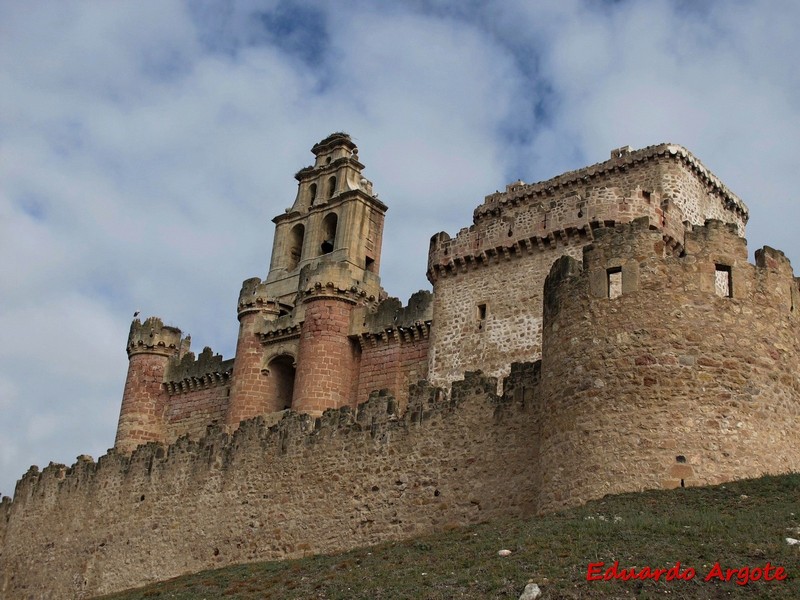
{"x":623,"y":341}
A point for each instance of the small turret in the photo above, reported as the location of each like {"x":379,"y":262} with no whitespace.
{"x":150,"y":346}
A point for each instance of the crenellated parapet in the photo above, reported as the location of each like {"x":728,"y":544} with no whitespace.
{"x":394,"y":342}
{"x":153,"y":337}
{"x":665,"y":183}
{"x":391,"y":319}
{"x":188,"y":374}
{"x":339,"y":280}
{"x":622,"y":159}
{"x":254,"y":298}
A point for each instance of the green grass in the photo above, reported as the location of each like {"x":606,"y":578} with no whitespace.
{"x":739,"y":524}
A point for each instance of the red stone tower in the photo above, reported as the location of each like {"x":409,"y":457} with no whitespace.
{"x":150,"y":346}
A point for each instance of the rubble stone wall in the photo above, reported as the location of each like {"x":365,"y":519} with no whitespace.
{"x":270,"y":493}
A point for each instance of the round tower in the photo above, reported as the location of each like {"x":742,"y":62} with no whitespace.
{"x":150,"y":347}
{"x":327,"y":359}
{"x":252,"y":392}
{"x":667,"y":369}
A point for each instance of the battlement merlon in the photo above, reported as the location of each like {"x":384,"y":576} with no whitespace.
{"x":190,"y":367}
{"x":636,"y":249}
{"x":153,"y":337}
{"x":391,"y":316}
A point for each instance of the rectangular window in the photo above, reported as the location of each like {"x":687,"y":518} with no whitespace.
{"x":723,"y":284}
{"x":481,"y":315}
{"x":614,"y":282}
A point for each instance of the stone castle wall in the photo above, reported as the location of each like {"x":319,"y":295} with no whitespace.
{"x":191,"y":412}
{"x":269,"y":493}
{"x":196,"y":393}
{"x":666,"y":359}
{"x":393,"y":362}
{"x":680,"y":380}
{"x":669,"y":383}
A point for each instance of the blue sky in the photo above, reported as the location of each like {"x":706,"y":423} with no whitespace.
{"x":145,"y":147}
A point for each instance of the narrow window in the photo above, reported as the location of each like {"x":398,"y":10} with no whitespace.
{"x":295,"y":246}
{"x":646,"y":195}
{"x":329,"y":224}
{"x":723,"y":282}
{"x":313,"y":192}
{"x":481,"y":316}
{"x":331,"y":187}
{"x":614,"y":282}
{"x":370,"y":264}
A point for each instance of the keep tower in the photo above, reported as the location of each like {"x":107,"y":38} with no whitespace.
{"x":294,"y":348}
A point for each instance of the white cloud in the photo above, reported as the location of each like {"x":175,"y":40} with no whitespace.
{"x":145,"y":146}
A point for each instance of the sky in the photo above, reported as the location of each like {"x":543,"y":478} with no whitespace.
{"x":145,"y":147}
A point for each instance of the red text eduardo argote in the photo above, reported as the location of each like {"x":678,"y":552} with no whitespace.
{"x":598,"y":571}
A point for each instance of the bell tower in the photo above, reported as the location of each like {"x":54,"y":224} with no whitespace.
{"x":294,"y":348}
{"x":335,"y":218}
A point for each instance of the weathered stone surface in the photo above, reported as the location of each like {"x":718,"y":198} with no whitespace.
{"x":680,"y":365}
{"x":624,"y":341}
{"x":268,"y":493}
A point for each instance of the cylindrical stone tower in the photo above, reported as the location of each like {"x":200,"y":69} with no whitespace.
{"x":327,"y":358}
{"x":150,"y":346}
{"x":251,"y":392}
{"x":665,"y":369}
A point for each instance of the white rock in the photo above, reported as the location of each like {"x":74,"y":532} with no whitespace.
{"x":792,"y":541}
{"x":503,"y":552}
{"x":531,"y":592}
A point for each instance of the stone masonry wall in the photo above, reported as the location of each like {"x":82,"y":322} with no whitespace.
{"x":190,"y":413}
{"x":670,"y":383}
{"x":501,"y":262}
{"x":197,"y":393}
{"x":510,"y":329}
{"x":392,"y":364}
{"x":262,"y":493}
{"x":394,"y":342}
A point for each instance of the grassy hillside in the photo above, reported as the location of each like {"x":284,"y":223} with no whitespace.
{"x":741,"y":524}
